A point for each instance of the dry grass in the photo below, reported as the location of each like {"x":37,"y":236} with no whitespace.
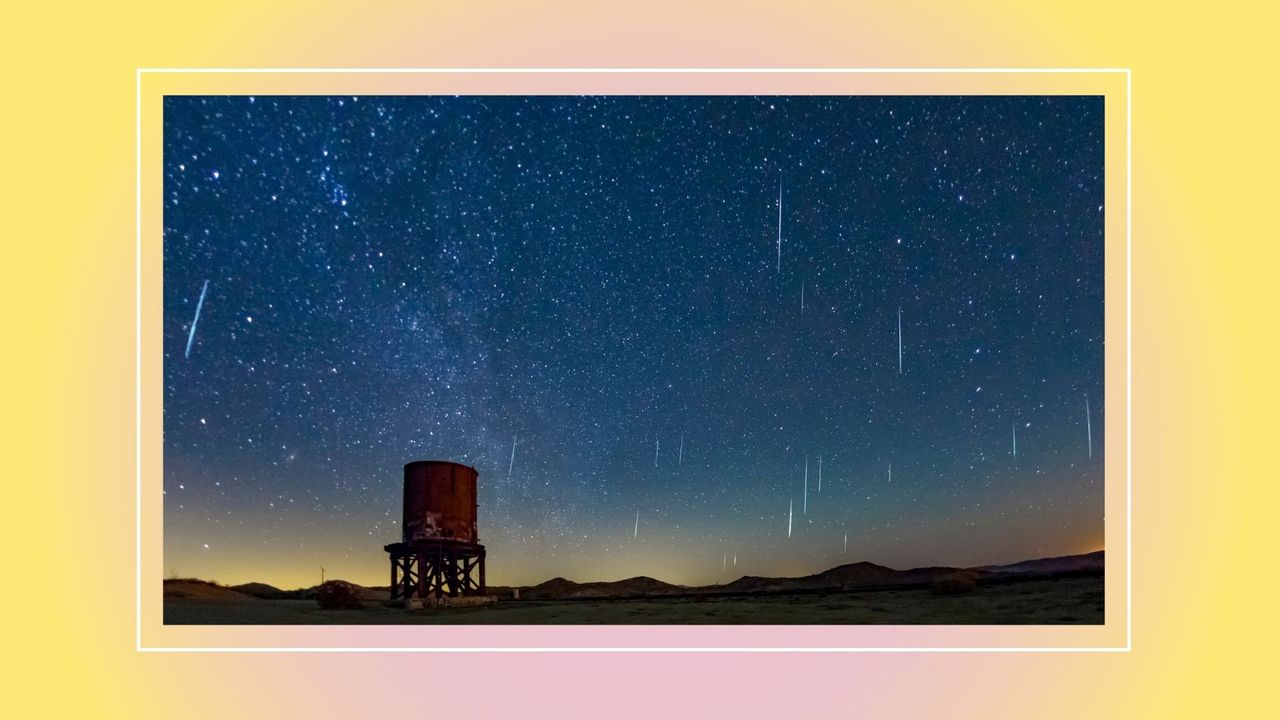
{"x":957,"y":583}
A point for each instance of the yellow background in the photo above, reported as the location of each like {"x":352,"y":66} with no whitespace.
{"x":1204,"y":261}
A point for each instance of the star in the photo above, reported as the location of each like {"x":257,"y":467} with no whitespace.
{"x":541,"y":286}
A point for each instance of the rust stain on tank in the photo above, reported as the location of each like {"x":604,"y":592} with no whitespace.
{"x":439,"y":501}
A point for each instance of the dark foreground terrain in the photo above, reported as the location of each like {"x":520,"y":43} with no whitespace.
{"x":1033,"y":601}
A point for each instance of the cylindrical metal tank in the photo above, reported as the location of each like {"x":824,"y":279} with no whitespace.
{"x":440,"y":501}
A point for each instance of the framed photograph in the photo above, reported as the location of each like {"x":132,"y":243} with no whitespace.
{"x":763,"y":359}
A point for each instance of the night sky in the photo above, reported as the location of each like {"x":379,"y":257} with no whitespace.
{"x":596,"y":278}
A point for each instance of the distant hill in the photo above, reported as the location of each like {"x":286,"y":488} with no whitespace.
{"x":853,"y":575}
{"x":206,"y":591}
{"x":364,"y":593}
{"x":203,"y":591}
{"x":850,"y":576}
{"x":865,"y":574}
{"x":259,"y":590}
{"x":1065,"y":563}
{"x":559,"y":588}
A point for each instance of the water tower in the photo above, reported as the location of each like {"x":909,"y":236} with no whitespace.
{"x":439,"y":552}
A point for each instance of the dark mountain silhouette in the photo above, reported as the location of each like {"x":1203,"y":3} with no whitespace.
{"x":259,"y":590}
{"x":851,"y":576}
{"x":559,"y":588}
{"x":1065,"y":563}
{"x":842,"y":577}
{"x":854,"y":575}
{"x":204,"y":590}
{"x":191,"y":589}
{"x":859,"y":574}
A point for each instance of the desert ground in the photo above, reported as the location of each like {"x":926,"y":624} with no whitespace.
{"x":1060,"y":600}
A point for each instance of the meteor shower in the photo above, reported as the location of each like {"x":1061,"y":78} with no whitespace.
{"x":653,"y":359}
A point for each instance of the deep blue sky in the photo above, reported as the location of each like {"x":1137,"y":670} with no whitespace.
{"x":395,"y":278}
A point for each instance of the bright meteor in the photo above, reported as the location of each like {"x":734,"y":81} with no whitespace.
{"x":191,"y":336}
{"x":511,"y":465}
{"x":1088,"y":424}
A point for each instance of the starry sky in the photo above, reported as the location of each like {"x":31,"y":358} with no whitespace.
{"x":599,"y":282}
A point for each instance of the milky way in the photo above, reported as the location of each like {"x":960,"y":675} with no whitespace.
{"x":603,"y":281}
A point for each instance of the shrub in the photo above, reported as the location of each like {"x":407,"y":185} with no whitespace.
{"x":955,"y":584}
{"x":338,"y":595}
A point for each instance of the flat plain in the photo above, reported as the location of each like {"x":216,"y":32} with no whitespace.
{"x":1051,"y":601}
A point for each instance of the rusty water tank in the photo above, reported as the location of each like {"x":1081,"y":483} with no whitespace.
{"x":440,"y":501}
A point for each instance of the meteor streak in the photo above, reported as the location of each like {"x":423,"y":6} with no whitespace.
{"x":655,"y":451}
{"x":1088,"y":423}
{"x":680,"y":456}
{"x":890,"y":471}
{"x":512,"y":463}
{"x":819,"y":473}
{"x":636,"y":532}
{"x":1015,"y":439}
{"x":805,"y":510}
{"x":801,"y":298}
{"x":791,"y":510}
{"x":192,"y":334}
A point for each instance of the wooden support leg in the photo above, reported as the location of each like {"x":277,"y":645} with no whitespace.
{"x":394,"y":580}
{"x":468,"y":575}
{"x":424,"y":577}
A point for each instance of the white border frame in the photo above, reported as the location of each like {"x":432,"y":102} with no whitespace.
{"x":137,"y":429}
